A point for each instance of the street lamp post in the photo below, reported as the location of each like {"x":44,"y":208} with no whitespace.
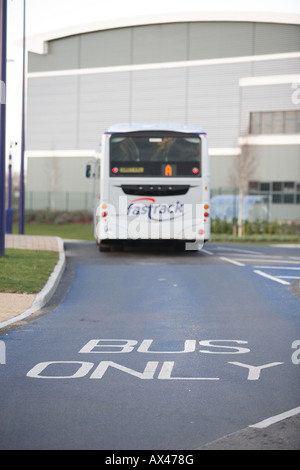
{"x":22,"y":185}
{"x":3,"y":26}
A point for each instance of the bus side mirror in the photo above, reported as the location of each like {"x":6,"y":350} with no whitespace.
{"x":88,"y":171}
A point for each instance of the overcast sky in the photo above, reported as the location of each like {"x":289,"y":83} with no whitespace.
{"x":48,"y":15}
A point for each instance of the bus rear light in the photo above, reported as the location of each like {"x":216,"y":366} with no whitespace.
{"x":104,"y":214}
{"x":195,"y":171}
{"x":115,"y":170}
{"x":206,"y":206}
{"x":201,"y":232}
{"x":206,"y":214}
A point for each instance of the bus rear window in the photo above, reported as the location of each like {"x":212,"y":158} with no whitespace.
{"x":152,"y":154}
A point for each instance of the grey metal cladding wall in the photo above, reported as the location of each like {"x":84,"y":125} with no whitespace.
{"x":221,"y":39}
{"x":72,"y":111}
{"x":268,"y":97}
{"x":276,"y":67}
{"x":52,"y":113}
{"x":63,"y":54}
{"x":159,"y":43}
{"x":104,"y":99}
{"x":159,"y":95}
{"x":276,"y":38}
{"x":283,"y":160}
{"x":105,"y":48}
{"x":213,"y":101}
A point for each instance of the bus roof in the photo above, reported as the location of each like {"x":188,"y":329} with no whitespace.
{"x":137,"y":126}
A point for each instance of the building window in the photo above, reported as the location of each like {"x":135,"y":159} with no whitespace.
{"x":266,"y":123}
{"x":275,"y":122}
{"x":281,"y":192}
{"x":278,"y":122}
{"x":298,"y":193}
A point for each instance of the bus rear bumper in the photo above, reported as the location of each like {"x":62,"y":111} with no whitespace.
{"x":136,"y":230}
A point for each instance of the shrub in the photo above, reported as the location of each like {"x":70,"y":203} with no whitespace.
{"x":257,"y":227}
{"x":57,"y":217}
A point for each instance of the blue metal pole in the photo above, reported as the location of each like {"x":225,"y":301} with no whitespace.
{"x":3,"y":26}
{"x":22,"y":176}
{"x":9,"y":210}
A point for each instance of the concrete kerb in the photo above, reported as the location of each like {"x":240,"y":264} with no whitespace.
{"x":48,"y":290}
{"x":279,"y":432}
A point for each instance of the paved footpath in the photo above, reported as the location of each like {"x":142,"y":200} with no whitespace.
{"x":13,"y":305}
{"x":31,"y":242}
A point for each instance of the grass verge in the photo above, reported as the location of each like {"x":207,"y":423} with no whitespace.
{"x":66,"y":231}
{"x":26,"y":271}
{"x":259,"y":239}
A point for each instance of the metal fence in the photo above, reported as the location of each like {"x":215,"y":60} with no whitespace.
{"x":263,"y":205}
{"x":58,"y":201}
{"x":257,"y":205}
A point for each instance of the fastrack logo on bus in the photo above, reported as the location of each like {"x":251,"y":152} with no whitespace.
{"x":144,"y":218}
{"x":157,"y":212}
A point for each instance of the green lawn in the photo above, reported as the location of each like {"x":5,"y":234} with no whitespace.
{"x":68,"y":231}
{"x":262,"y":238}
{"x":26,"y":270}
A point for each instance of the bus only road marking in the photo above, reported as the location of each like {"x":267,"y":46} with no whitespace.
{"x":152,"y":369}
{"x":83,"y":368}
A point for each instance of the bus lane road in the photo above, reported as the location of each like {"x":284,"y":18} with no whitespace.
{"x":151,"y":350}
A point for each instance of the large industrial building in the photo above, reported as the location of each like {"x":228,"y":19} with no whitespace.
{"x":237,"y":75}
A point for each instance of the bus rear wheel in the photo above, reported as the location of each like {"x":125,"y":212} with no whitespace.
{"x":179,"y":247}
{"x":111,"y":245}
{"x":104,"y":247}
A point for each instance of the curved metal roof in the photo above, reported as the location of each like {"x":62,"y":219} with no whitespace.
{"x":38,"y":43}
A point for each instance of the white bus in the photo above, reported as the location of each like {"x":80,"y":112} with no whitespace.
{"x":152,"y":183}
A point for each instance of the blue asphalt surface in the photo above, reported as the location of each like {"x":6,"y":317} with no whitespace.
{"x":207,"y":393}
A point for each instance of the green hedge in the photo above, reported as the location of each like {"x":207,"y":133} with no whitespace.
{"x":258,"y":227}
{"x":56,"y":217}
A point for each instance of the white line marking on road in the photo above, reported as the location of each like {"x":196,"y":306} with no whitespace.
{"x":263,"y":260}
{"x":285,"y":246}
{"x":270,"y":260}
{"x":289,"y":277}
{"x":232,"y":261}
{"x":276,"y":267}
{"x":247,"y":255}
{"x":238,"y":249}
{"x":261,"y":273}
{"x":207,"y":252}
{"x":262,"y":255}
{"x":275,"y":419}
